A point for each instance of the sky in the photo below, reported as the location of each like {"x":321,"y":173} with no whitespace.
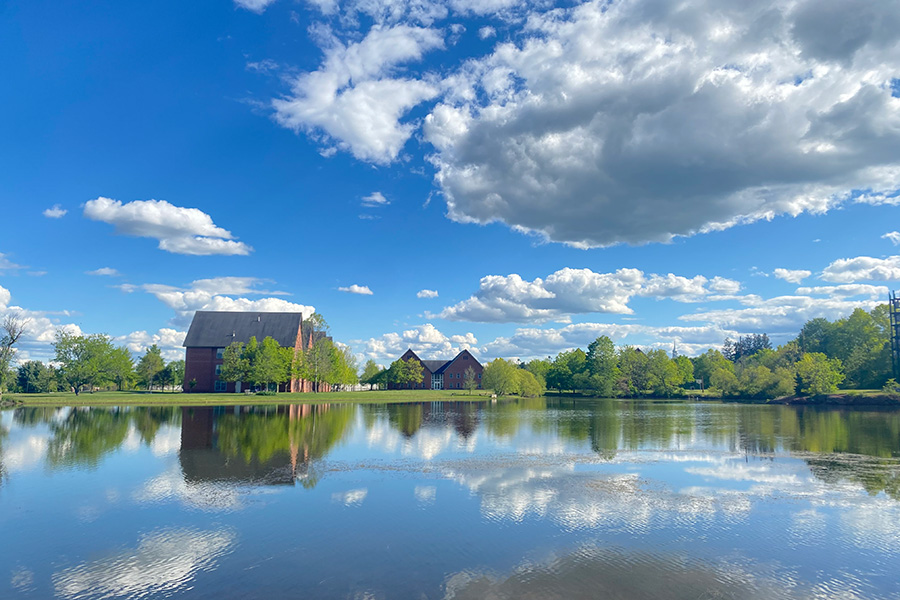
{"x":515,"y":178}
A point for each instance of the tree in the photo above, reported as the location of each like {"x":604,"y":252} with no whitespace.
{"x":235,"y":367}
{"x":150,"y":366}
{"x":33,"y":377}
{"x":270,"y":364}
{"x":370,"y":372}
{"x":121,"y":367}
{"x":602,"y":367}
{"x":662,"y":374}
{"x":343,"y":366}
{"x":568,"y":371}
{"x":12,"y":329}
{"x":173,"y":374}
{"x":708,"y":363}
{"x":527,"y":385}
{"x":745,"y":346}
{"x":539,"y":368}
{"x":819,"y":374}
{"x":470,"y":380}
{"x":633,"y":371}
{"x":83,"y":359}
{"x":500,"y":375}
{"x":406,"y":371}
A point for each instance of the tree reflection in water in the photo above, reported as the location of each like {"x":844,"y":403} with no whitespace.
{"x":272,"y":444}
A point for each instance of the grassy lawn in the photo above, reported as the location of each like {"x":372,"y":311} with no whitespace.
{"x":169,"y":398}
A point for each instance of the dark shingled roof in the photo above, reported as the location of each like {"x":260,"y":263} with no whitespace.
{"x":435,"y":365}
{"x":217,"y":329}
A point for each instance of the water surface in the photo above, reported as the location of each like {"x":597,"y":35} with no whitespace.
{"x":528,"y":499}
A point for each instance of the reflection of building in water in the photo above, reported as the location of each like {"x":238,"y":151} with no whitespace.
{"x":258,"y":445}
{"x":408,"y":418}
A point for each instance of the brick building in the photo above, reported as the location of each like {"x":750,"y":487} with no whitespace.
{"x":212,"y":331}
{"x":442,"y":374}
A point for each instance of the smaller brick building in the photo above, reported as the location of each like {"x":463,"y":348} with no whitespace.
{"x":442,"y":374}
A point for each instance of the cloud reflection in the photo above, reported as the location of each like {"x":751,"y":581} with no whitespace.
{"x":163,"y":562}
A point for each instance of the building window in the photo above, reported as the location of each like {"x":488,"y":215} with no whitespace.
{"x":220,"y":386}
{"x":218,"y":370}
{"x":220,"y":352}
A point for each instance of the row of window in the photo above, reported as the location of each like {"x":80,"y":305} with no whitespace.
{"x":458,"y":375}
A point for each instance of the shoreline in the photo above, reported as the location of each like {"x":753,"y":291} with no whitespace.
{"x":58,"y":399}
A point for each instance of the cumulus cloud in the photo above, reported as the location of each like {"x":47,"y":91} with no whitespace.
{"x":352,"y":102}
{"x":356,"y":289}
{"x":168,"y":340}
{"x":104,"y":271}
{"x":55,"y":212}
{"x":179,"y":230}
{"x":782,"y":314}
{"x":5,"y":297}
{"x":792,"y":275}
{"x":537,"y":342}
{"x":375,"y":199}
{"x":217,"y":294}
{"x":425,"y":340}
{"x":637,"y":121}
{"x":567,"y":292}
{"x":863,"y":268}
{"x":893,"y":236}
{"x":427,"y":294}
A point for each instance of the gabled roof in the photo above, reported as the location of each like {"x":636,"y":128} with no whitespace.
{"x":435,"y":366}
{"x":217,"y":329}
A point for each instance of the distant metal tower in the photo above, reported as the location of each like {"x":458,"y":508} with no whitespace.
{"x":894,"y":310}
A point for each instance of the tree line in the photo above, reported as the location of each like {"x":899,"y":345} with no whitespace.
{"x":853,"y":352}
{"x":93,"y":362}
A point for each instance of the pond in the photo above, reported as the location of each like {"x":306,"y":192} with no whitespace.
{"x":527,"y":499}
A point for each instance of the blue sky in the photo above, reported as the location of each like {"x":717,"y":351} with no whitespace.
{"x":515,"y":178}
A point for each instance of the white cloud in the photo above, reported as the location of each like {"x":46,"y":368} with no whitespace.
{"x":257,"y":6}
{"x":352,"y":101}
{"x":8,"y":265}
{"x":638,"y":121}
{"x":792,"y":275}
{"x":178,"y":230}
{"x":486,"y":32}
{"x":893,"y":236}
{"x":535,"y":342}
{"x":425,"y":340}
{"x":846,"y":290}
{"x":104,"y":271}
{"x":5,"y":297}
{"x":782,"y":314}
{"x":427,"y":294}
{"x":216,"y":294}
{"x":375,"y":199}
{"x":55,"y":212}
{"x":567,"y":292}
{"x":863,"y":268}
{"x":357,"y":289}
{"x":168,"y":340}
